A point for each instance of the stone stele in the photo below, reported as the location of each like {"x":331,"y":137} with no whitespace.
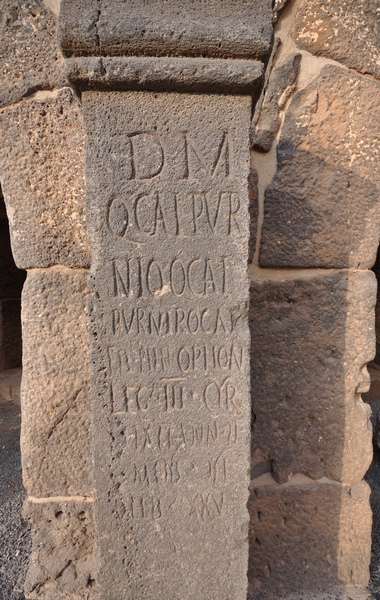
{"x":168,"y":219}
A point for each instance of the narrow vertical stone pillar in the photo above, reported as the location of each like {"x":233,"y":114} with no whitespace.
{"x":168,"y":223}
{"x":168,"y":207}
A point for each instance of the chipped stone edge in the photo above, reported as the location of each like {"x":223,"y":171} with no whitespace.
{"x":165,"y":74}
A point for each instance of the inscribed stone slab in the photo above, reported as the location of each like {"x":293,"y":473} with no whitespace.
{"x":167,"y":184}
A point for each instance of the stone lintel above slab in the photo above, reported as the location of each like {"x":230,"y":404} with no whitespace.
{"x":218,"y":28}
{"x":165,"y":74}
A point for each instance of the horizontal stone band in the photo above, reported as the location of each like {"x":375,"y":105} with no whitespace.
{"x":169,"y":74}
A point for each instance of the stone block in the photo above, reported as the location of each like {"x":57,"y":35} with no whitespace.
{"x":30,"y":59}
{"x":55,"y":433}
{"x":311,"y":339}
{"x":322,"y":208}
{"x":42,"y":178}
{"x":308,"y":536}
{"x":168,"y":221}
{"x":222,"y":29}
{"x":280,"y":85}
{"x":62,"y":563}
{"x":346,"y":31}
{"x":165,"y":74}
{"x":10,"y":333}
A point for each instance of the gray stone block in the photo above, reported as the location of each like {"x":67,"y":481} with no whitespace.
{"x":30,"y":59}
{"x":55,"y":433}
{"x":322,"y":209}
{"x":311,"y":340}
{"x":165,"y":74}
{"x":280,"y":85}
{"x":220,"y":29}
{"x":168,"y":219}
{"x":345,"y":30}
{"x":42,"y":178}
{"x":308,"y":537}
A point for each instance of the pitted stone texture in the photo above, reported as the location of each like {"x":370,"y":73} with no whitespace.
{"x":307,"y":536}
{"x":280,"y":85}
{"x":309,"y":417}
{"x":30,"y":59}
{"x":165,"y":74}
{"x":42,"y":177}
{"x":55,"y":432}
{"x":219,"y":29}
{"x":322,"y":209}
{"x":168,"y":189}
{"x":345,"y":30}
{"x":62,"y":564}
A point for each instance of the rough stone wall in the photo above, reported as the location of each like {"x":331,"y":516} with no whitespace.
{"x":316,"y":147}
{"x":42,"y":178}
{"x":315,"y":228}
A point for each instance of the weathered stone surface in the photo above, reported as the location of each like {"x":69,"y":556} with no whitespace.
{"x":280,"y":85}
{"x":376,"y":270}
{"x":165,"y":74}
{"x":62,"y":564}
{"x":169,"y":226}
{"x":42,"y":178}
{"x":221,"y":29}
{"x":309,"y":417}
{"x":344,"y":30}
{"x":372,"y":397}
{"x":10,"y":333}
{"x":307,"y":536}
{"x":29,"y":56}
{"x":253,"y":211}
{"x":55,"y":433}
{"x":322,"y":209}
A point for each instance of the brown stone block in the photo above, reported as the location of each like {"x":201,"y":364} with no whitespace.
{"x":62,"y":562}
{"x":42,"y":178}
{"x":311,"y":340}
{"x":10,"y":333}
{"x":346,"y":31}
{"x":322,"y":208}
{"x":29,"y":55}
{"x":307,"y":536}
{"x":55,"y":432}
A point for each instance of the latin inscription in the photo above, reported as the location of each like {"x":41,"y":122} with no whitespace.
{"x":138,"y":277}
{"x":177,"y":321}
{"x":168,"y":357}
{"x":169,"y":225}
{"x":174,"y":214}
